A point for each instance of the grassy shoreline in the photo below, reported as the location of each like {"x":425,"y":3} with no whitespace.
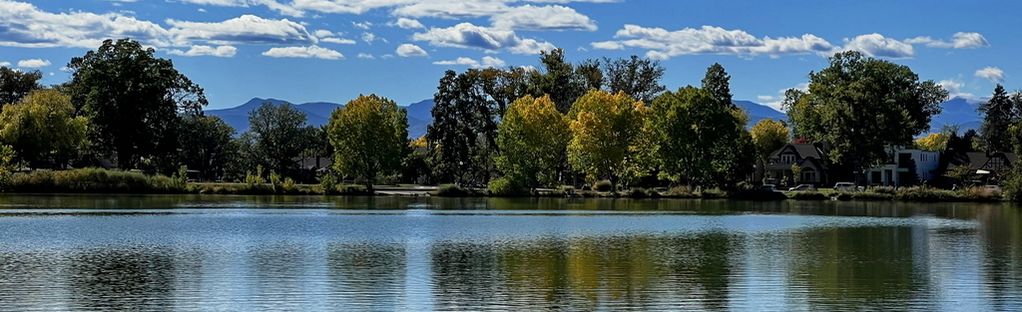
{"x":99,"y":181}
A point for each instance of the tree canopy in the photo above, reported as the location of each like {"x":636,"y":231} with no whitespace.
{"x":603,"y":126}
{"x":1000,"y":112}
{"x":370,"y":138}
{"x":278,"y":136}
{"x":532,"y":138}
{"x":861,"y":105}
{"x":15,"y":84}
{"x":206,"y":145}
{"x":134,"y":100}
{"x":43,"y":130}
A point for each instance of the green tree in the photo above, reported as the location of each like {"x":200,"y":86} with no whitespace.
{"x":999,"y":113}
{"x":462,"y":136}
{"x":532,"y":138}
{"x":700,"y":139}
{"x":7,"y":166}
{"x":43,"y":130}
{"x":134,"y":101}
{"x":15,"y":84}
{"x":604,"y":127}
{"x":637,"y":77}
{"x":861,"y":105}
{"x":278,"y":137}
{"x":717,"y":83}
{"x":370,"y":138}
{"x":206,"y":145}
{"x":768,"y":135}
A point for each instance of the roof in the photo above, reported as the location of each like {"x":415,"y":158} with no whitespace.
{"x":803,"y":151}
{"x":979,"y":160}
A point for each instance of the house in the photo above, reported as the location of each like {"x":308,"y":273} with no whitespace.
{"x":807,"y":159}
{"x":984,"y":167}
{"x":905,"y":167}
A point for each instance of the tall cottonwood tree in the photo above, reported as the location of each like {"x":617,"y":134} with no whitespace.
{"x":43,"y":129}
{"x":206,"y":145}
{"x":278,"y":135}
{"x":637,"y":77}
{"x":860,"y":106}
{"x":370,"y":138}
{"x":134,"y":101}
{"x":532,"y":138}
{"x":462,"y":136}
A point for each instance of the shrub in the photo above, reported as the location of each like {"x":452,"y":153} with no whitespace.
{"x":680,"y":192}
{"x":328,"y":183}
{"x":872,"y":195}
{"x":809,"y":195}
{"x":641,"y":193}
{"x":505,"y":186}
{"x":451,"y":190}
{"x":566,"y":190}
{"x":603,"y":186}
{"x":712,"y":193}
{"x":352,"y":189}
{"x":757,"y":194}
{"x":94,"y":180}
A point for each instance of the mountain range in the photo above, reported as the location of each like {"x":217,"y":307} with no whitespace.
{"x":957,"y":111}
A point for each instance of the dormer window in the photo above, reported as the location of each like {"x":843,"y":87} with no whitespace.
{"x":788,"y":159}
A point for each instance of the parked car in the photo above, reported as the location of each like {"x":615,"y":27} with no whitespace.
{"x":803,"y":188}
{"x":768,"y":187}
{"x":845,"y":187}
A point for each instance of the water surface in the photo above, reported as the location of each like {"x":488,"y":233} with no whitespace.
{"x":349,"y":253}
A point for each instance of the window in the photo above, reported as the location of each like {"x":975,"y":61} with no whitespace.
{"x":788,"y":159}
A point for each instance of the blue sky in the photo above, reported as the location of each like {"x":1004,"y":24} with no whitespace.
{"x":333,"y":50}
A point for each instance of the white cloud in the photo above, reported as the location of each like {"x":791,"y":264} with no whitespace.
{"x":879,"y":46}
{"x":662,"y":44}
{"x":338,"y":40}
{"x":960,"y":40}
{"x":25,"y":25}
{"x":304,"y":52}
{"x":204,"y":50}
{"x":330,"y":37}
{"x":954,"y":88}
{"x":242,"y":29}
{"x":362,"y":25}
{"x":368,"y":37}
{"x":774,"y":101}
{"x":993,"y":74}
{"x":467,"y":35}
{"x":5,"y":64}
{"x":408,"y":23}
{"x":555,"y":17}
{"x":410,"y":50}
{"x":452,"y":8}
{"x":288,"y":10}
{"x":366,"y":56}
{"x":486,"y":61}
{"x":33,"y":63}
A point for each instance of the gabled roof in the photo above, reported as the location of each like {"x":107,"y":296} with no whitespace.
{"x":803,"y":151}
{"x":979,"y":160}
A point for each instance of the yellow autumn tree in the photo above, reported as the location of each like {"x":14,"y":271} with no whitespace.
{"x":604,"y":127}
{"x":531,"y":137}
{"x":934,"y":142}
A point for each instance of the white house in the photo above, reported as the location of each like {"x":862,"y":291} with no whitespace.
{"x":898,"y":170}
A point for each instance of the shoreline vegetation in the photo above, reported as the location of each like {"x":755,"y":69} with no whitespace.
{"x":102,"y":181}
{"x":600,"y":128}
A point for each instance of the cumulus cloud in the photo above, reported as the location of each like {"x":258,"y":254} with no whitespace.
{"x":5,"y":64}
{"x":204,"y":50}
{"x":954,"y":88}
{"x":879,"y":46}
{"x":271,"y":4}
{"x":554,"y":17}
{"x":408,"y":23}
{"x":486,"y":61}
{"x":33,"y":63}
{"x":25,"y":25}
{"x":775,"y":100}
{"x":366,"y":56}
{"x":993,"y":74}
{"x":304,"y":52}
{"x":467,"y":35}
{"x":242,"y":29}
{"x":960,"y":40}
{"x":410,"y":50}
{"x":330,"y":37}
{"x":661,"y":43}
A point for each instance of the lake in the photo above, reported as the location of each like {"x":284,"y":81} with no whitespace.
{"x":157,"y":253}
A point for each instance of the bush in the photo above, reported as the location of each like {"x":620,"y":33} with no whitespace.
{"x":808,"y":195}
{"x":566,"y":190}
{"x":328,"y":183}
{"x":603,"y":186}
{"x":451,"y":190}
{"x":505,"y":186}
{"x":872,"y":195}
{"x":94,"y":180}
{"x":680,"y":192}
{"x":757,"y":194}
{"x":712,"y":193}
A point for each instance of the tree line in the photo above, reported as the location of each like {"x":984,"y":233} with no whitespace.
{"x":512,"y":129}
